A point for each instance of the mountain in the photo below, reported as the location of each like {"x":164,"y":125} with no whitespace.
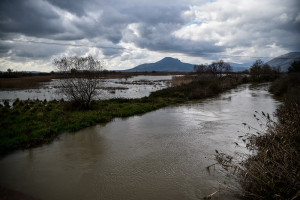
{"x":167,"y":64}
{"x":239,"y":67}
{"x":284,"y":61}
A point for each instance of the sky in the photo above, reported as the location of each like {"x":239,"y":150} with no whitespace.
{"x":125,"y":33}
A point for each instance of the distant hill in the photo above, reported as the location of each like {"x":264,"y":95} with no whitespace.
{"x":239,"y":67}
{"x":167,"y":64}
{"x":284,"y":61}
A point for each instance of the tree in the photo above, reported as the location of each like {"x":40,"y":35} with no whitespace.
{"x":81,"y":82}
{"x":261,"y":71}
{"x":295,"y":67}
{"x":256,"y":69}
{"x":219,"y":67}
{"x":216,"y":68}
{"x":200,"y":69}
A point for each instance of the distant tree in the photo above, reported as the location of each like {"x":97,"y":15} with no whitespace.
{"x":9,"y":70}
{"x":246,"y":71}
{"x":73,"y":71}
{"x":219,"y":67}
{"x":260,"y":71}
{"x":216,"y":68}
{"x":81,"y":84}
{"x":200,"y":69}
{"x":295,"y":67}
{"x":256,"y":67}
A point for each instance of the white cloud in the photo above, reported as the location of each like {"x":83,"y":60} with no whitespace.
{"x":148,"y":30}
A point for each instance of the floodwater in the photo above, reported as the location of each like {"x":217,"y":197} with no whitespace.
{"x":158,"y":155}
{"x":133,"y":87}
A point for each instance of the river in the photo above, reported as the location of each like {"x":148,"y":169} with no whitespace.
{"x":159,"y":155}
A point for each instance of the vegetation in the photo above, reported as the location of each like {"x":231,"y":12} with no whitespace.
{"x":30,"y":123}
{"x":24,"y":82}
{"x":80,"y":85}
{"x":272,"y":171}
{"x":217,"y":68}
{"x":15,"y":74}
{"x":295,"y":67}
{"x":261,"y":72}
{"x":180,"y":80}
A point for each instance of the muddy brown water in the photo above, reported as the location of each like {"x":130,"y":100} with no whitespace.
{"x":158,"y":155}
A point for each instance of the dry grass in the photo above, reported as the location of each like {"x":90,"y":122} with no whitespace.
{"x":24,"y":82}
{"x":181,"y":80}
{"x":273,"y":170}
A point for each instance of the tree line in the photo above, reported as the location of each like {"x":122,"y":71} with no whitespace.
{"x":217,"y":68}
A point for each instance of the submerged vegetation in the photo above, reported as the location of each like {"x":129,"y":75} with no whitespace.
{"x":272,"y":171}
{"x":31,"y":123}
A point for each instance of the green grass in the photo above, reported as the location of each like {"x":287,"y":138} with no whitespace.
{"x":31,"y":123}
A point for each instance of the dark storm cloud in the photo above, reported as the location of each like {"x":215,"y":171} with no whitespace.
{"x":47,"y":19}
{"x":37,"y":51}
{"x":156,"y":14}
{"x":73,"y":6}
{"x":158,"y":38}
{"x":29,"y":50}
{"x":32,"y":18}
{"x":4,"y":48}
{"x":174,"y":26}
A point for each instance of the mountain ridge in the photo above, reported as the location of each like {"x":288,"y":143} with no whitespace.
{"x":285,"y":60}
{"x":167,"y":64}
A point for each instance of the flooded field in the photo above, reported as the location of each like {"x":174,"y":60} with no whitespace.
{"x":133,"y":87}
{"x":158,"y":155}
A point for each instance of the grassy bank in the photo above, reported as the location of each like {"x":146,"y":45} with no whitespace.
{"x":31,"y":123}
{"x":273,"y":172}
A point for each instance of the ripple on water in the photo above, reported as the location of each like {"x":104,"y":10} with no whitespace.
{"x":158,"y":155}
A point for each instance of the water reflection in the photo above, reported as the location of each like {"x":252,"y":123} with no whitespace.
{"x":134,"y":87}
{"x":159,"y":155}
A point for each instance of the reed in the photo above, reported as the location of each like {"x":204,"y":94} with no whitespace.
{"x":180,"y":80}
{"x":24,"y":82}
{"x":272,"y":170}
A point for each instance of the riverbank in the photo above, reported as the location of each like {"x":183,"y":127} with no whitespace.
{"x":272,"y":172}
{"x":32,"y":122}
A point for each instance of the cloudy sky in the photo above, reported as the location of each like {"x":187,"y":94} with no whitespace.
{"x":125,"y":33}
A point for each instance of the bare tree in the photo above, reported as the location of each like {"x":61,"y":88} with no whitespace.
{"x":219,"y":67}
{"x":216,"y":68}
{"x":81,"y":82}
{"x":201,"y":69}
